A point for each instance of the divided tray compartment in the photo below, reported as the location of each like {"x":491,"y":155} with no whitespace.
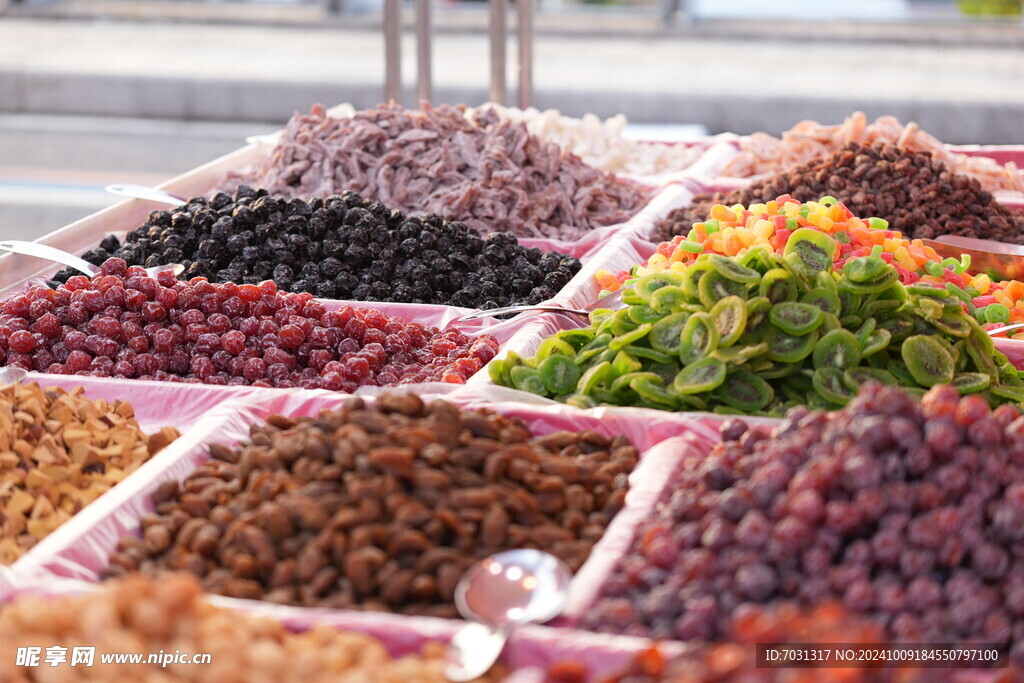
{"x":70,"y":559}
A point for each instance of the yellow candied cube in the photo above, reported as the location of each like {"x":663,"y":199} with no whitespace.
{"x":981,"y":283}
{"x":678,"y":266}
{"x":1003,"y":298}
{"x":657,"y":260}
{"x":772,"y":207}
{"x":825,"y":223}
{"x":791,"y":209}
{"x":763,"y":229}
{"x":758,"y":208}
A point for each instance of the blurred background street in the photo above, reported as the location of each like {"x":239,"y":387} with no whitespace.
{"x":124,"y":91}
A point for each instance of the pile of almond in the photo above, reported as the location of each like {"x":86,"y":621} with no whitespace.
{"x":59,"y":451}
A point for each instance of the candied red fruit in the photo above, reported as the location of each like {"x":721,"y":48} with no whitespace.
{"x":123,"y":323}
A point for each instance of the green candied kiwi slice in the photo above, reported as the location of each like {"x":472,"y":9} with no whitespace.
{"x":699,"y":337}
{"x":775,"y":370}
{"x":757,"y":258}
{"x":757,"y":319}
{"x":700,"y":377}
{"x":732,"y":270}
{"x":745,"y":391}
{"x":692,"y":276}
{"x":896,"y":292}
{"x":623,"y":364}
{"x":528,"y":379}
{"x":622,"y":382}
{"x":809,"y":251}
{"x":653,"y":391}
{"x":927,"y":308}
{"x":953,"y":325}
{"x":927,"y":360}
{"x":876,"y":341}
{"x":839,"y":349}
{"x":828,"y":382}
{"x":853,"y":378}
{"x":620,"y":323}
{"x":880,"y":307}
{"x":962,"y":357}
{"x":651,"y":354}
{"x":830,"y":322}
{"x":498,"y":370}
{"x":874,"y":286}
{"x":795,"y":318}
{"x":827,"y":279}
{"x":559,"y":374}
{"x":668,"y":299}
{"x":849,"y":301}
{"x":738,"y":355}
{"x":647,"y":285}
{"x":898,"y":370}
{"x":599,"y":316}
{"x":665,"y":334}
{"x":926,"y":289}
{"x":730,"y":316}
{"x":667,"y":371}
{"x":630,"y":337}
{"x":594,"y":348}
{"x":981,"y":348}
{"x":864,"y":268}
{"x":899,"y":327}
{"x":851,"y":321}
{"x":778,"y":285}
{"x":643,"y":313}
{"x":714,"y":287}
{"x":553,"y":346}
{"x":593,"y":377}
{"x":1009,"y":375}
{"x":971,"y":382}
{"x":865,"y":330}
{"x":577,"y":339}
{"x":788,"y":348}
{"x":581,"y":401}
{"x":1015,"y":394}
{"x":824,"y":299}
{"x":631,"y":298}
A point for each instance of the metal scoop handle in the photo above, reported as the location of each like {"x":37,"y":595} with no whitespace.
{"x":146,"y":192}
{"x":50,"y":254}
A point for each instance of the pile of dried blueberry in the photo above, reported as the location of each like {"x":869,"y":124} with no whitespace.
{"x":342,"y":247}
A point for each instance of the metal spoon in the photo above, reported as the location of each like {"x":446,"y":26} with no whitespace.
{"x":146,"y":192}
{"x":72,"y":261}
{"x":999,"y":330}
{"x":506,"y":590}
{"x":613,"y":301}
{"x":268,"y":139}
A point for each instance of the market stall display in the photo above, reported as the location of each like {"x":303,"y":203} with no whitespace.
{"x":59,"y":451}
{"x":346,"y":247}
{"x":764,"y":332}
{"x":477,"y":168}
{"x":170,"y":615}
{"x":125,"y":324}
{"x":914,"y":191}
{"x":902,"y":511}
{"x":691,"y":535}
{"x":762,"y":154}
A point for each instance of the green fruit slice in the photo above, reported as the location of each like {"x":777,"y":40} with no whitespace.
{"x":980,"y":348}
{"x":853,"y":378}
{"x":828,"y":382}
{"x":694,"y":273}
{"x":594,"y":347}
{"x":953,"y":325}
{"x":644,"y":314}
{"x":929,"y":308}
{"x":745,"y":391}
{"x":577,"y":338}
{"x":596,"y":375}
{"x":730,"y":316}
{"x":829,"y":322}
{"x":651,"y":354}
{"x":757,"y":319}
{"x":778,"y":285}
{"x":826,"y":300}
{"x":732,"y":270}
{"x":828,"y":280}
{"x":864,"y":268}
{"x":865,"y":330}
{"x":775,"y":370}
{"x":849,"y":302}
{"x":653,"y":392}
{"x":880,"y":307}
{"x":553,"y":346}
{"x":665,"y":333}
{"x":873,"y":286}
{"x":559,"y":374}
{"x":622,"y":382}
{"x":667,"y":299}
{"x":738,"y":355}
{"x":787,"y":348}
{"x":899,"y":327}
{"x":839,"y":349}
{"x":700,"y":377}
{"x":1015,"y":394}
{"x":971,"y":382}
{"x":581,"y":401}
{"x":528,"y":379}
{"x":623,"y":364}
{"x":876,"y":341}
{"x":698,"y":338}
{"x":898,"y":370}
{"x":714,"y":287}
{"x":926,"y":289}
{"x":809,"y":251}
{"x":757,"y":258}
{"x":498,"y":370}
{"x":647,"y":285}
{"x":795,"y":318}
{"x":927,"y":360}
{"x":630,"y":337}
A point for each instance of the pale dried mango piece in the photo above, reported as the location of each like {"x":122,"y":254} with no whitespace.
{"x":40,"y":527}
{"x":21,"y":501}
{"x":35,"y":479}
{"x":9,"y":459}
{"x":42,"y":508}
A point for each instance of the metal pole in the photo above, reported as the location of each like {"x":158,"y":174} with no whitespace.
{"x":525,"y":89}
{"x":424,"y":86}
{"x":393,"y":50}
{"x":497,"y":32}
